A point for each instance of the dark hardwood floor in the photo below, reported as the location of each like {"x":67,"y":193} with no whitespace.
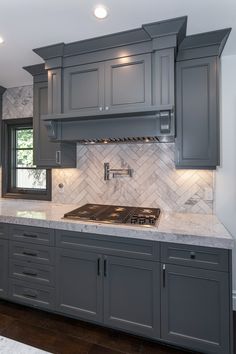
{"x":61,"y":335}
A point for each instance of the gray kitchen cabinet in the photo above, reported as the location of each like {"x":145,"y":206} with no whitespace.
{"x":84,"y":88}
{"x":197,"y":116}
{"x":128,"y":83}
{"x":131,"y":295}
{"x":3,"y":268}
{"x":110,"y":86}
{"x":79,"y":284}
{"x":48,"y":154}
{"x":195,"y":308}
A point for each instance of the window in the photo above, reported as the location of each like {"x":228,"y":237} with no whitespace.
{"x":21,"y":178}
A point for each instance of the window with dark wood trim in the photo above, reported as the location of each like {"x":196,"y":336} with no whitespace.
{"x":20,"y":177}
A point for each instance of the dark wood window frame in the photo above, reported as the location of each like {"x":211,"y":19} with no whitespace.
{"x":7,"y":190}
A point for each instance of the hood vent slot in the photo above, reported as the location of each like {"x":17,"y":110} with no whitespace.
{"x":141,"y":140}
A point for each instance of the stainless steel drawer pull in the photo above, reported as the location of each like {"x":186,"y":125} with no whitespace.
{"x":30,"y":273}
{"x":164,"y":275}
{"x":58,"y":157}
{"x":32,"y":254}
{"x":30,"y":235}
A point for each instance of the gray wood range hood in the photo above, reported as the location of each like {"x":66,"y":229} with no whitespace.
{"x":119,"y":87}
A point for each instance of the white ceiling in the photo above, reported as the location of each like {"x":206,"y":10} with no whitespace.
{"x":29,"y":24}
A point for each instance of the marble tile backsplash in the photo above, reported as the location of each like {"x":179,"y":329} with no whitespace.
{"x":155,"y":181}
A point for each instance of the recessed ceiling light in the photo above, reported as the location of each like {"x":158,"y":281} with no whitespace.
{"x":1,"y":40}
{"x":100,"y":12}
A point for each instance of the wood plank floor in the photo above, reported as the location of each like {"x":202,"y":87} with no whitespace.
{"x":61,"y":335}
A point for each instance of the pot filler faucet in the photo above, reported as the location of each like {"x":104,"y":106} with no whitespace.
{"x":116,"y":172}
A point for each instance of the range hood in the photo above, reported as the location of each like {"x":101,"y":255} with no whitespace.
{"x":113,"y":89}
{"x":148,"y":127}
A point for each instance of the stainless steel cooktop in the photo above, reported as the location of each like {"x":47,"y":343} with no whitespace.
{"x":115,"y":214}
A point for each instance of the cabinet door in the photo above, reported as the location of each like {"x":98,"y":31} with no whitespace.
{"x":128,"y":83}
{"x":197,"y":113}
{"x":195,"y":309}
{"x":131,"y":295}
{"x":48,"y":154}
{"x":3,"y":268}
{"x":84,"y":89}
{"x":79,"y":284}
{"x":44,"y":150}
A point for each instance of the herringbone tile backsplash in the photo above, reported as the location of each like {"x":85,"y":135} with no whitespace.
{"x":155,"y":180}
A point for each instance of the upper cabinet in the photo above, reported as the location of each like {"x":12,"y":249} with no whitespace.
{"x":128,"y":83}
{"x":129,"y":73}
{"x":113,"y":85}
{"x":197,"y":100}
{"x":197,"y":113}
{"x":84,"y":88}
{"x":47,"y":154}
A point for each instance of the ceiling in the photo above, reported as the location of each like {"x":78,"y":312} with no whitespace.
{"x":30,"y":24}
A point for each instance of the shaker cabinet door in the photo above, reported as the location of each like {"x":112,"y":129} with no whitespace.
{"x":197,"y":125}
{"x":195,"y":308}
{"x":131,"y":295}
{"x":44,"y":150}
{"x":84,"y":89}
{"x":79,"y":284}
{"x":48,"y":154}
{"x":3,"y":268}
{"x":128,"y":83}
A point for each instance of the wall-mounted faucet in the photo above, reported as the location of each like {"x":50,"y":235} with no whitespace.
{"x":116,"y":172}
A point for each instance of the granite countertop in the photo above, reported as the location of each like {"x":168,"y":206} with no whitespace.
{"x":193,"y":229}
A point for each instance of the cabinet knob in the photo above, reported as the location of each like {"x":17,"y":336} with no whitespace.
{"x":100,"y":109}
{"x":106,"y":108}
{"x":192,"y":255}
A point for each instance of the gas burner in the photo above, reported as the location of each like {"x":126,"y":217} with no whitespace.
{"x":116,"y":214}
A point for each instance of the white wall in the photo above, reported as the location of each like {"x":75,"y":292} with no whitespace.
{"x":225,"y":191}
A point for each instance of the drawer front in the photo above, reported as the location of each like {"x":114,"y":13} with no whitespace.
{"x":35,"y":295}
{"x":4,"y":231}
{"x":33,"y":272}
{"x":120,"y":246}
{"x":32,"y":234}
{"x":32,"y":253}
{"x":196,"y":256}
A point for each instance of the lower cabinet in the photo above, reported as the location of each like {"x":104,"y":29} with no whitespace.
{"x":195,"y":308}
{"x":131,"y":295}
{"x":128,"y":288}
{"x":173,"y":293}
{"x":3,"y":268}
{"x":79,"y":284}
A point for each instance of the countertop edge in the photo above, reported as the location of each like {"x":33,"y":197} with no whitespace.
{"x":121,"y":231}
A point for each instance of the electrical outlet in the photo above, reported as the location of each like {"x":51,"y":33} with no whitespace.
{"x":208,"y":193}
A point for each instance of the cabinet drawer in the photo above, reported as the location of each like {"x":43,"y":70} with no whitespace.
{"x":35,"y":295}
{"x":32,"y":272}
{"x":32,"y":234}
{"x":4,"y":231}
{"x":201,"y":257}
{"x":121,"y":246}
{"x":32,"y":253}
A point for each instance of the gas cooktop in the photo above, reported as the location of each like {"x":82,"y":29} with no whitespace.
{"x":115,"y":214}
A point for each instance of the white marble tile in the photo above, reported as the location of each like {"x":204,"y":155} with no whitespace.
{"x":194,"y":229}
{"x":9,"y":346}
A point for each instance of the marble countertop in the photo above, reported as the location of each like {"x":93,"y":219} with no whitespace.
{"x":193,"y":229}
